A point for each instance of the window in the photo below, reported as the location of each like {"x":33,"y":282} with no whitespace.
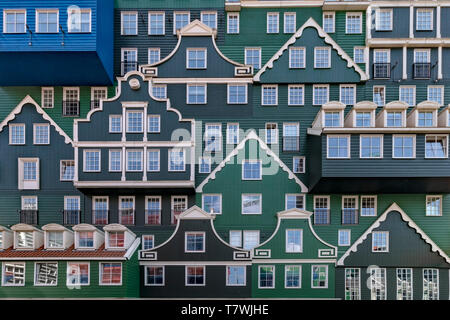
{"x":100,"y":211}
{"x":338,"y":147}
{"x":320,"y":94}
{"x":251,"y":203}
{"x":379,"y":95}
{"x":97,"y":94}
{"x":359,"y":54}
{"x":319,"y":276}
{"x":177,"y":160}
{"x":430,"y":284}
{"x":295,"y":201}
{"x":291,"y":134}
{"x":328,"y":22}
{"x":129,"y":23}
{"x":148,"y":242}
{"x":332,"y":119}
{"x":153,"y":210}
{"x":349,"y":210}
{"x":110,"y":273}
{"x":253,"y":57}
{"x":344,"y":237}
{"x":371,"y":146}
{"x":55,"y":240}
{"x":194,"y":242}
{"x":14,"y":21}
{"x":348,"y":94}
{"x":153,"y":160}
{"x":251,"y":170}
{"x":353,"y":23}
{"x":156,"y":23}
{"x":364,"y":119}
{"x":237,"y":94}
{"x":272,"y":22}
{"x":24,"y":240}
{"x":71,"y":214}
{"x":135,"y":121}
{"x":79,"y":21}
{"x":17,"y":133}
{"x":86,"y":239}
{"x":115,"y":160}
{"x":296,"y":95}
{"x":297,"y":57}
{"x":434,"y":206}
{"x":236,"y":276}
{"x":424,"y":19}
{"x":436,"y":93}
{"x":383,"y":20}
{"x":269,"y":95}
{"x":292,"y":277}
{"x":92,"y":161}
{"x":404,"y":146}
{"x":159,"y":91}
{"x":352,"y":284}
{"x":196,"y":94}
{"x":181,"y":19}
{"x":394,"y":119}
{"x":436,"y":146}
{"x":115,"y":124}
{"x":407,"y":94}
{"x":404,"y":284}
{"x":153,"y":123}
{"x":116,"y":239}
{"x":425,"y":119}
{"x":195,"y":276}
{"x":213,"y":137}
{"x":47,"y":21}
{"x":28,"y":174}
{"x":322,"y":57}
{"x":236,"y":238}
{"x":233,"y":23}
{"x":41,"y":133}
{"x":77,"y":274}
{"x":321,"y":210}
{"x":210,"y":19}
{"x":129,"y":60}
{"x":154,"y":56}
{"x":232,"y":133}
{"x":212,"y":203}
{"x":47,"y":97}
{"x":13,"y":274}
{"x":377,"y":283}
{"x":154,"y":275}
{"x":266,"y":275}
{"x":368,"y":206}
{"x":126,"y":210}
{"x":380,"y":241}
{"x":421,"y":55}
{"x":178,"y":205}
{"x":204,"y":165}
{"x":294,"y":240}
{"x":298,"y":164}
{"x":46,"y":274}
{"x":196,"y":58}
{"x":251,"y":239}
{"x":289,"y":22}
{"x":271,"y":133}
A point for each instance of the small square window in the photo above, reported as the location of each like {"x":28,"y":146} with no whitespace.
{"x":194,"y":242}
{"x":115,"y":124}
{"x":79,"y":21}
{"x":210,"y":19}
{"x":251,"y":170}
{"x":110,"y":273}
{"x":154,"y":275}
{"x":196,"y":58}
{"x":77,"y":274}
{"x":237,"y":94}
{"x":251,"y":203}
{"x":236,"y":275}
{"x":212,"y":203}
{"x":195,"y":276}
{"x":380,"y":241}
{"x":196,"y":94}
{"x":46,"y":274}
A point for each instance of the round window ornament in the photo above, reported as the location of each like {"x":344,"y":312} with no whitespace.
{"x":134,"y":84}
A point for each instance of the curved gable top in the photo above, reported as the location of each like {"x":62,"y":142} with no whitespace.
{"x":251,"y":136}
{"x":29,"y":100}
{"x":312,"y":23}
{"x":376,"y":224}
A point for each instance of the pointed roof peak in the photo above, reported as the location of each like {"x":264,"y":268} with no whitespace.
{"x":196,"y":28}
{"x":294,"y":214}
{"x":195,"y":213}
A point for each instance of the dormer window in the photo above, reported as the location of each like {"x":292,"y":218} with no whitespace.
{"x":116,"y":239}
{"x":86,"y":239}
{"x":24,"y":240}
{"x":363,"y":119}
{"x":196,"y":59}
{"x":394,"y":119}
{"x":332,"y":119}
{"x":425,"y":119}
{"x":55,"y":240}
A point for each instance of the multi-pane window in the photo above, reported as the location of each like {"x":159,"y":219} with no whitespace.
{"x":79,"y":21}
{"x":210,"y":19}
{"x":379,"y":95}
{"x":338,"y":146}
{"x":377,"y":283}
{"x":321,"y":210}
{"x":269,"y":95}
{"x":344,"y":237}
{"x":55,"y":240}
{"x":289,"y":22}
{"x":86,"y":239}
{"x":352,"y":284}
{"x":91,"y":161}
{"x":156,"y":23}
{"x":126,"y":210}
{"x":436,"y":146}
{"x":368,"y":206}
{"x":434,"y":206}
{"x":296,"y":57}
{"x":98,"y":94}
{"x":177,"y":160}
{"x":77,"y":273}
{"x":353,"y":23}
{"x":291,"y":134}
{"x":212,"y":203}
{"x":153,"y":158}
{"x":213,"y":137}
{"x":41,"y":133}
{"x":110,"y":273}
{"x":383,"y":20}
{"x":251,"y":170}
{"x":251,"y":203}
{"x":348,"y":95}
{"x":233,"y":23}
{"x":115,"y":124}
{"x":154,"y":55}
{"x":47,"y":97}
{"x":148,"y":241}
{"x":237,"y":94}
{"x":404,"y":146}
{"x":116,"y":239}
{"x":359,"y":54}
{"x":196,"y":94}
{"x":153,"y":210}
{"x":30,"y":170}
{"x":232,"y":133}
{"x":408,"y":94}
{"x":129,"y":60}
{"x":436,"y":93}
{"x":159,"y":91}
{"x":154,"y":275}
{"x":134,"y":160}
{"x":294,"y":241}
{"x":46,"y":274}
{"x":404,"y":284}
{"x":320,"y":94}
{"x":271,"y":133}
{"x":292,"y":276}
{"x":332,"y":119}
{"x":129,"y":23}
{"x":328,"y":22}
{"x":100,"y":210}
{"x":371,"y":146}
{"x":195,"y":276}
{"x":394,"y":119}
{"x":298,"y":164}
{"x":236,"y":275}
{"x":196,"y":58}
{"x":424,"y":19}
{"x":135,"y":121}
{"x":154,"y":123}
{"x":319,"y":276}
{"x":266,"y":275}
{"x":296,"y":95}
{"x":430,"y":284}
{"x":380,"y":241}
{"x":47,"y":21}
{"x":14,"y":21}
{"x":363,"y":119}
{"x":204,"y":165}
{"x":251,"y":239}
{"x":322,"y":57}
{"x":71,"y":210}
{"x":349,"y":210}
{"x":236,"y":238}
{"x":13,"y":274}
{"x":178,"y":206}
{"x":425,"y":119}
{"x":272,"y":22}
{"x":24,"y":240}
{"x":295,"y":201}
{"x":181,"y":19}
{"x":253,"y":57}
{"x":17,"y":133}
{"x":115,"y":160}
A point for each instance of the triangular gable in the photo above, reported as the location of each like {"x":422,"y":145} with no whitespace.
{"x":312,"y":23}
{"x":376,"y":224}
{"x":196,"y":28}
{"x":29,"y":100}
{"x":251,"y":136}
{"x":195,"y":213}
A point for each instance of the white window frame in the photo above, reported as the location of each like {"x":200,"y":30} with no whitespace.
{"x":393,"y":146}
{"x":377,"y":19}
{"x":228,"y":132}
{"x":157,"y":116}
{"x":99,"y":159}
{"x":277,"y":15}
{"x":328,"y":93}
{"x":196,"y":233}
{"x":127,"y":122}
{"x":4,"y":284}
{"x":252,"y":48}
{"x":52,"y":90}
{"x":291,"y":49}
{"x":34,"y":133}
{"x":286,"y":241}
{"x":175,"y":13}
{"x":84,"y":10}
{"x":15,"y":11}
{"x":126,"y":159}
{"x":262,"y":94}
{"x":304,"y":164}
{"x":159,"y":160}
{"x":349,"y":237}
{"x":109,"y":160}
{"x":35,"y":278}
{"x":209,"y":12}
{"x":252,"y":161}
{"x":440,"y":205}
{"x":273,"y":276}
{"x":348,"y":145}
{"x":196,"y":85}
{"x":446,"y":145}
{"x":242,"y":203}
{"x":277,"y":132}
{"x":212,"y":194}
{"x":315,"y":57}
{"x":407,"y":87}
{"x":237,"y":85}
{"x":364,"y":53}
{"x":147,"y":236}
{"x":290,"y":103}
{"x":375,"y":206}
{"x":187,"y":58}
{"x":384,"y":95}
{"x":163,"y":276}
{"x":332,"y":13}
{"x":122,"y":13}
{"x":100,"y":274}
{"x":186,"y":276}
{"x":37,"y":11}
{"x":360,"y":22}
{"x":432,"y":18}
{"x":423,"y":281}
{"x":206,"y":159}
{"x":428,"y":51}
{"x":60,"y":169}
{"x":347,"y":86}
{"x":442,"y":93}
{"x":294,"y":14}
{"x":121,"y":123}
{"x":299,"y":276}
{"x":387,"y":242}
{"x":28,"y":184}
{"x":371,"y":136}
{"x":250,"y":231}
{"x":184,"y":159}
{"x":158,"y":50}
{"x":70,"y":285}
{"x":24,"y":133}
{"x":312,"y":278}
{"x":296,"y":195}
{"x":227,"y":280}
{"x":240,"y":238}
{"x":150,"y":13}
{"x":235,"y":14}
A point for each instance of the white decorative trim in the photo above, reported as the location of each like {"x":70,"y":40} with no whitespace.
{"x":376,"y":224}
{"x":311,"y":23}
{"x":252,"y":135}
{"x":30,"y":100}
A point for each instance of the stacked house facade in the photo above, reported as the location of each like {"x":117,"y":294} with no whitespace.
{"x":229,"y":149}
